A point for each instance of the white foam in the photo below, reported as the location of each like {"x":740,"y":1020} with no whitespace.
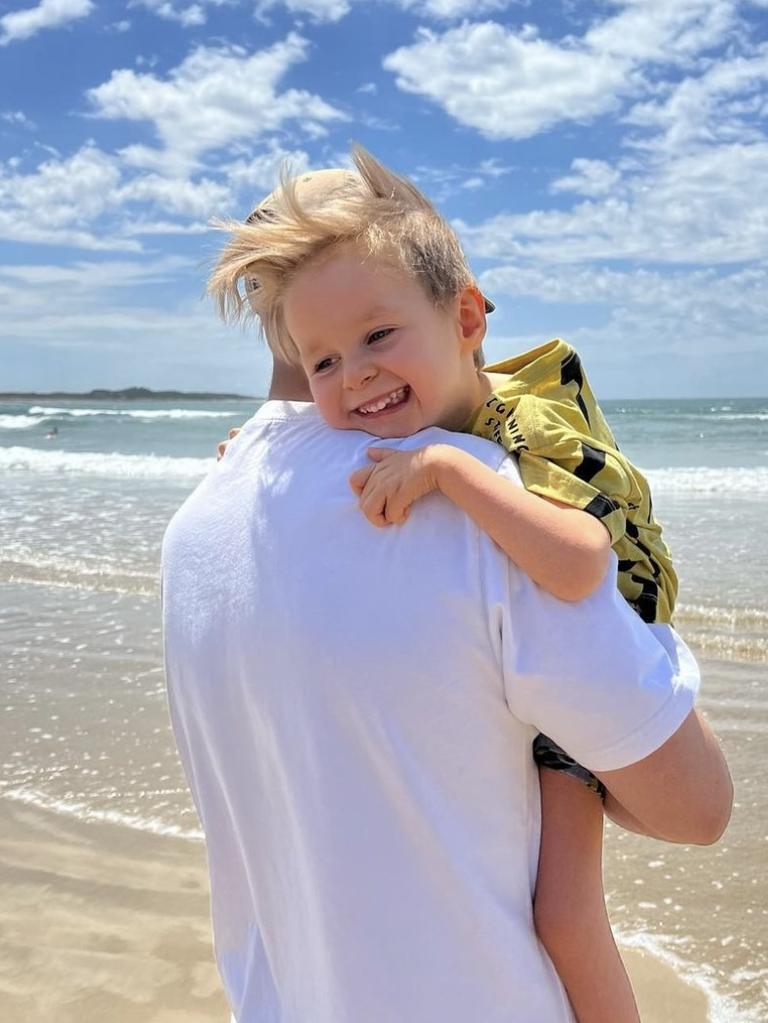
{"x":760,"y":416}
{"x":165,"y":413}
{"x":19,"y":422}
{"x":93,"y":463}
{"x":85,"y":813}
{"x":721,"y":1007}
{"x":725,"y":482}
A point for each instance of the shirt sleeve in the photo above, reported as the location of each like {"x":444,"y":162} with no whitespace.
{"x":604,"y":685}
{"x":560,"y":461}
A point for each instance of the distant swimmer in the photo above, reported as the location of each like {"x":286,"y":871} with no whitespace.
{"x":53,"y":433}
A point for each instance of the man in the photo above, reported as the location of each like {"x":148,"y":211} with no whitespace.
{"x":354,"y":709}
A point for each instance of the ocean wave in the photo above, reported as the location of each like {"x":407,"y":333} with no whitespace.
{"x":722,"y":1006}
{"x":60,"y":572}
{"x":83,"y":812}
{"x":725,"y":633}
{"x":760,"y":416}
{"x":723,"y":617}
{"x":8,"y":422}
{"x":93,"y":463}
{"x":165,"y":413}
{"x":725,"y":482}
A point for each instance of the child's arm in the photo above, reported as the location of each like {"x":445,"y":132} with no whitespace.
{"x":563,"y":549}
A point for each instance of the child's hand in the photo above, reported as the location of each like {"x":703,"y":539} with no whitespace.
{"x":388,"y":488}
{"x":222,"y":446}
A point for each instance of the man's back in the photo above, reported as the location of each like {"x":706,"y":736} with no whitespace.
{"x":341,"y":699}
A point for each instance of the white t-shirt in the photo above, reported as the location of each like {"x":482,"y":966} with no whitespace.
{"x":354,"y":709}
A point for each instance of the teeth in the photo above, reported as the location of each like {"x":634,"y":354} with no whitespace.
{"x":383,"y":403}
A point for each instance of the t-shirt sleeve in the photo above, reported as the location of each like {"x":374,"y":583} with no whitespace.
{"x":604,"y":685}
{"x":559,"y":460}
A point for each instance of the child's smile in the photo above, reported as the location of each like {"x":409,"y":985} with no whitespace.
{"x":384,"y":405}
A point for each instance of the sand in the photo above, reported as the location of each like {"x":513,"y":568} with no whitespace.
{"x":103,"y":924}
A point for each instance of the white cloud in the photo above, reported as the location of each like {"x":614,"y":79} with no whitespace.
{"x":84,"y":201}
{"x":258,"y":175}
{"x":639,"y":331}
{"x":120,"y":323}
{"x":589,"y":177}
{"x":445,"y":10}
{"x":719,"y":105}
{"x":92,"y":277}
{"x":185,"y":14}
{"x":318,"y":10}
{"x":506,"y":85}
{"x":438,"y":10}
{"x":708,"y":206}
{"x":18,"y":25}
{"x":512,"y":84}
{"x":17,"y":117}
{"x":216,"y":97}
{"x":202,"y":198}
{"x":91,"y":300}
{"x":58,"y":201}
{"x":662,"y":30}
{"x":691,"y":293}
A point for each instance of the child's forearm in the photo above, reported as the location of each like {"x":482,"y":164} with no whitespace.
{"x":563,"y":549}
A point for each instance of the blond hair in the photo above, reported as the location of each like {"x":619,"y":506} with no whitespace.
{"x":385,"y":215}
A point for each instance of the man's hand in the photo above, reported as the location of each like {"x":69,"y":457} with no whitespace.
{"x":222,"y":445}
{"x":388,"y":488}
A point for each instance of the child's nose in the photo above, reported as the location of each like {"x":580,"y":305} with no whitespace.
{"x":358,"y":373}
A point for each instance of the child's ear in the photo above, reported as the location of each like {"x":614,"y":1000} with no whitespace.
{"x":471,"y":318}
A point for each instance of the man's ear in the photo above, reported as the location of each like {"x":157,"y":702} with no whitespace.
{"x":471,"y":318}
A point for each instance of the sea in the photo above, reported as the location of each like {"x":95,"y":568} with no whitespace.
{"x":87,"y":490}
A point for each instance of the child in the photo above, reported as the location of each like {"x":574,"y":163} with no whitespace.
{"x":357,"y":279}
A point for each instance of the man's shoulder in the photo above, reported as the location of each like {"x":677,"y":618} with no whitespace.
{"x":289,"y":426}
{"x":480,"y":447}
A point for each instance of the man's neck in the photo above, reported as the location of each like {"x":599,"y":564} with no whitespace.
{"x":289,"y":383}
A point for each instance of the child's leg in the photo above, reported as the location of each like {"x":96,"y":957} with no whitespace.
{"x":569,"y":905}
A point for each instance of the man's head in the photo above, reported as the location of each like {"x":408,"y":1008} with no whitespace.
{"x":390,"y":222}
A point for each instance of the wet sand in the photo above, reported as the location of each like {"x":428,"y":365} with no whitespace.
{"x":100,"y":923}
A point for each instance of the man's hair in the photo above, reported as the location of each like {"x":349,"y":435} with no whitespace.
{"x":308,"y":216}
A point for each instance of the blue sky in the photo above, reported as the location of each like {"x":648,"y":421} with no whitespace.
{"x":605,"y":164}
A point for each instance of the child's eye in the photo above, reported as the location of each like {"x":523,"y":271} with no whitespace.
{"x":323,"y":364}
{"x":377,"y":335}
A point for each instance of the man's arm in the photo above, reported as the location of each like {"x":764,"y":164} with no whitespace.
{"x":289,"y":382}
{"x":680,"y":793}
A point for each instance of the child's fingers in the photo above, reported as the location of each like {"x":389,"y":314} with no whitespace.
{"x":234,"y":432}
{"x":376,"y":513}
{"x":359,"y":478}
{"x":379,"y":454}
{"x":222,"y":447}
{"x":397,"y":509}
{"x":373,"y":504}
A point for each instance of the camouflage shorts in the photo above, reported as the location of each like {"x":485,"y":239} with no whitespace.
{"x":548,"y":754}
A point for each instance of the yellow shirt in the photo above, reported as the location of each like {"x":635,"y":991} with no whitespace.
{"x":545,"y":413}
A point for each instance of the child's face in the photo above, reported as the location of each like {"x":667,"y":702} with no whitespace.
{"x":377,"y":353}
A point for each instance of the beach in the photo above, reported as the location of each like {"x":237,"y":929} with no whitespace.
{"x":104,"y":912}
{"x":102,"y":925}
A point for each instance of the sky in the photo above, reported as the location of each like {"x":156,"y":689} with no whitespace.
{"x":604,"y":163}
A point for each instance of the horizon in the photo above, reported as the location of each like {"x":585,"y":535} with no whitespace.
{"x":209,"y":395}
{"x":605,"y":166}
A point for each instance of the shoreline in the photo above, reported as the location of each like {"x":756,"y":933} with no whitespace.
{"x":105,"y":922}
